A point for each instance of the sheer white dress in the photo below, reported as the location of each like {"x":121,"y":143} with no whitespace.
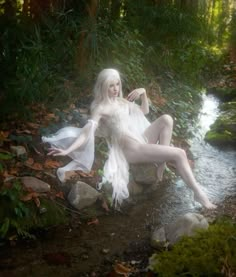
{"x":127,"y":119}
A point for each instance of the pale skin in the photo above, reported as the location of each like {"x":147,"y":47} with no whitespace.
{"x":160,"y":131}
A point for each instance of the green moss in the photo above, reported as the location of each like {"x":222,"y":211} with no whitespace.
{"x":204,"y":254}
{"x":223,"y":131}
{"x":226,"y":138}
{"x":224,"y":94}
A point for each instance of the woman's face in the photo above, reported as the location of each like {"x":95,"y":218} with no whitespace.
{"x":114,"y":88}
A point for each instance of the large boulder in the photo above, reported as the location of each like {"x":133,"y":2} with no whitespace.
{"x":185,"y":225}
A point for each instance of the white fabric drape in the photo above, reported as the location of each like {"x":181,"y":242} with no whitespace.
{"x":127,"y":120}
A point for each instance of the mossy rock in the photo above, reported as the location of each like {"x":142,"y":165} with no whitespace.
{"x":223,"y":131}
{"x":224,"y":94}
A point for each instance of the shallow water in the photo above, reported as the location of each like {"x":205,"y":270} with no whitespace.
{"x":214,"y":169}
{"x":119,"y":233}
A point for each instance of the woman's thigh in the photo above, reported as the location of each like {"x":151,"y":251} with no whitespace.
{"x":153,"y":132}
{"x":136,"y":152}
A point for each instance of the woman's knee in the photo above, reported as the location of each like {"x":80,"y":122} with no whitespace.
{"x":180,"y":155}
{"x":167,"y":120}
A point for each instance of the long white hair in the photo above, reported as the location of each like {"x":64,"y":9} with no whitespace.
{"x":105,"y":77}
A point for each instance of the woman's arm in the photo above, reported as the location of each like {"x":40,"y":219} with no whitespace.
{"x":80,"y":141}
{"x":140,"y":93}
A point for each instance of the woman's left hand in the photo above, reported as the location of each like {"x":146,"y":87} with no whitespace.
{"x":135,"y":94}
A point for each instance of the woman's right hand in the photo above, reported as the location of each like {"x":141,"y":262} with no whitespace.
{"x":53,"y":151}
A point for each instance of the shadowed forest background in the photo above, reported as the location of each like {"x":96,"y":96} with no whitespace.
{"x":50,"y":54}
{"x":52,"y":50}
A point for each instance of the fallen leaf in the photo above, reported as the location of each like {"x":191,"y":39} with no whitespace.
{"x":35,"y":166}
{"x":4,"y":135}
{"x":83,"y":174}
{"x":121,"y":269}
{"x":29,"y":196}
{"x":94,"y":221}
{"x":52,"y":164}
{"x":23,"y":132}
{"x":60,"y":194}
{"x":33,"y":125}
{"x":29,"y":161}
{"x":13,"y":171}
{"x":105,"y":206}
{"x":70,"y":174}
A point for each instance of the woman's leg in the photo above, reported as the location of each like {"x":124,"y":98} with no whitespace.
{"x":155,"y":153}
{"x":160,"y":131}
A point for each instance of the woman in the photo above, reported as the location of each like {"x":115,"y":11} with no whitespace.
{"x":130,"y":137}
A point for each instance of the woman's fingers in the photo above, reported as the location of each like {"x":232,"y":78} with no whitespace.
{"x":55,"y":152}
{"x":133,"y":95}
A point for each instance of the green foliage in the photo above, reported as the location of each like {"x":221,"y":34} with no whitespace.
{"x":12,"y":210}
{"x":205,"y":254}
{"x":24,"y":217}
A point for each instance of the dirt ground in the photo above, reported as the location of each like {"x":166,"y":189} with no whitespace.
{"x":110,"y":244}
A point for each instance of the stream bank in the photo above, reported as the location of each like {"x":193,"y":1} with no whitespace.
{"x":83,"y":248}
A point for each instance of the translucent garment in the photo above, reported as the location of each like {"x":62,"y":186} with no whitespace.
{"x":127,"y":119}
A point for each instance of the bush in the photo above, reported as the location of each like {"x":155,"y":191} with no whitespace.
{"x":208,"y":253}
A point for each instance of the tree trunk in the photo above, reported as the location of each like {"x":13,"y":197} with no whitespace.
{"x":83,"y":50}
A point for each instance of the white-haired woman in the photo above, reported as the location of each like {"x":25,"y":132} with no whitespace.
{"x":130,"y":136}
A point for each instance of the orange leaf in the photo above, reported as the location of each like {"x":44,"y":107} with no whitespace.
{"x":33,"y":125}
{"x":4,"y":135}
{"x":23,"y":132}
{"x":52,"y":164}
{"x":60,"y":194}
{"x":94,"y":221}
{"x":83,"y":174}
{"x":121,"y":269}
{"x":13,"y":171}
{"x":29,"y":196}
{"x":35,"y":166}
{"x":37,"y":202}
{"x":30,"y":161}
{"x":70,"y":175}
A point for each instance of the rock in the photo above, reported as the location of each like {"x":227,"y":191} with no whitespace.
{"x":158,"y":238}
{"x":82,"y":195}
{"x":134,"y":188}
{"x":36,"y":184}
{"x":185,"y":225}
{"x":18,"y":150}
{"x":223,"y":131}
{"x":144,"y":173}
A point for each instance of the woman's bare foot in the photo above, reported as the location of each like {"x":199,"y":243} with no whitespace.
{"x":202,"y":198}
{"x":160,"y":171}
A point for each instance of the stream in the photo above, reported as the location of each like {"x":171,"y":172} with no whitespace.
{"x":214,"y":168}
{"x":87,"y":250}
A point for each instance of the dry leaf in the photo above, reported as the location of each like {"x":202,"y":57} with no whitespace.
{"x":86,"y":175}
{"x":60,"y":194}
{"x":70,"y":174}
{"x":52,"y":164}
{"x":121,"y":269}
{"x":35,"y":166}
{"x":31,"y":195}
{"x":29,"y":161}
{"x":33,"y":125}
{"x":4,"y":135}
{"x":23,"y":132}
{"x":94,"y":221}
